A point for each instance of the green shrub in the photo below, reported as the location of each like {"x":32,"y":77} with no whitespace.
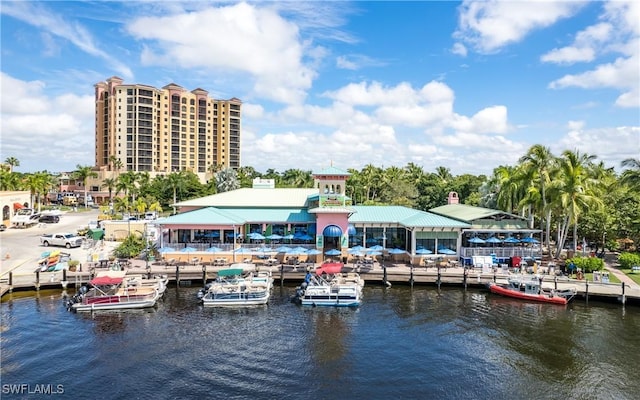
{"x":587,"y":264}
{"x":130,"y":247}
{"x":628,"y":260}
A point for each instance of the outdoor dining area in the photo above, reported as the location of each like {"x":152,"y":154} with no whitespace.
{"x":500,"y":249}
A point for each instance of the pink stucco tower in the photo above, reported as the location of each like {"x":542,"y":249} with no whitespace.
{"x":332,"y":209}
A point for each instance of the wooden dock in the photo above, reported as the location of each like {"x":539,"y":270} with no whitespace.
{"x":390,"y":276}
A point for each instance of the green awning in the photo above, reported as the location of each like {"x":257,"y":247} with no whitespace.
{"x":230,"y":272}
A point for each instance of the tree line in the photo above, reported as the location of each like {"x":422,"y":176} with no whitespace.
{"x":570,"y":195}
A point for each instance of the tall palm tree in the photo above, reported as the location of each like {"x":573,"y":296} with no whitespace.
{"x":82,"y":173}
{"x":9,"y":180}
{"x":110,"y":184}
{"x":176,"y":182}
{"x":370,"y":178}
{"x":573,"y":191}
{"x":631,"y":176}
{"x":12,"y":162}
{"x":444,"y":174}
{"x":540,"y":162}
{"x":127,"y":183}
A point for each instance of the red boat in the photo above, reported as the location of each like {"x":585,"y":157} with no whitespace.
{"x":531,"y":290}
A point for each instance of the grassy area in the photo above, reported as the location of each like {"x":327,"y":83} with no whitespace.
{"x":589,"y":277}
{"x":633,"y":275}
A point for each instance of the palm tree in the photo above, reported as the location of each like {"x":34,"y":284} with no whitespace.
{"x":82,"y":173}
{"x":175,"y":181}
{"x":12,"y":162}
{"x":573,"y":191}
{"x":444,"y":175}
{"x":127,"y":184}
{"x":115,"y":163}
{"x":9,"y":180}
{"x":540,"y":162}
{"x":110,"y":184}
{"x":631,"y":176}
{"x":297,"y":178}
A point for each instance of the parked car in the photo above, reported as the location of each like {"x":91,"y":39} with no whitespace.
{"x":49,"y":219}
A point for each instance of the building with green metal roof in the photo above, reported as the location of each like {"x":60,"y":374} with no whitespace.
{"x":322,"y":217}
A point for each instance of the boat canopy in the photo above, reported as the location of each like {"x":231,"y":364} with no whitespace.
{"x":230,"y":272}
{"x":106,"y":280}
{"x":329,"y":268}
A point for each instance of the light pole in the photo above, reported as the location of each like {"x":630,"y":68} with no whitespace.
{"x":146,"y":250}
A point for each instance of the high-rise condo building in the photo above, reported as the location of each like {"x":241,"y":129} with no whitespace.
{"x":164,"y":130}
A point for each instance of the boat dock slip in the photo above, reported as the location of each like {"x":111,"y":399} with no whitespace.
{"x":394,"y":274}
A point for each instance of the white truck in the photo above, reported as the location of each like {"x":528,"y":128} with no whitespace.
{"x":67,"y":240}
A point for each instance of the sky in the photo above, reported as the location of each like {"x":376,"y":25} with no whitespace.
{"x":468,"y":85}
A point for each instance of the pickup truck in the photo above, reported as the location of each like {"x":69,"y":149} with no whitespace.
{"x":67,"y":240}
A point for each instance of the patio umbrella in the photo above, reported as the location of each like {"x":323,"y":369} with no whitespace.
{"x":476,"y":240}
{"x":283,"y":249}
{"x":374,"y":253}
{"x":376,"y":248}
{"x":243,"y":250}
{"x":529,"y":240}
{"x":424,"y":251}
{"x":493,"y":240}
{"x":306,"y":238}
{"x":395,"y":252}
{"x":275,"y":236}
{"x":213,"y":250}
{"x":188,"y":249}
{"x":333,"y":252}
{"x":356,"y":249}
{"x":299,"y":250}
{"x":256,"y":236}
{"x":264,"y":249}
{"x":166,"y":249}
{"x":288,"y":237}
{"x":446,"y":251}
{"x":314,"y":252}
{"x":511,"y":239}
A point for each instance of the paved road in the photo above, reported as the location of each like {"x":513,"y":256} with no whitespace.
{"x":20,"y":248}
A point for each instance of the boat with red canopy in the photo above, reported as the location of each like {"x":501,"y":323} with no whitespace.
{"x":329,"y":287}
{"x":531,"y":289}
{"x":109,"y":290}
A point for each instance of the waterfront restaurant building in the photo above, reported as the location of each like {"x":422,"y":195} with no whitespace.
{"x":321,"y":218}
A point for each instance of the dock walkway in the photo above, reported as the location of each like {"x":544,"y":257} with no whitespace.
{"x":391,"y":274}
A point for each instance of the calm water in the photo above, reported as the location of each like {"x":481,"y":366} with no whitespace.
{"x":402,"y":343}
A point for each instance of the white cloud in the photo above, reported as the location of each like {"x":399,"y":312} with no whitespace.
{"x":45,"y":132}
{"x":609,"y":144}
{"x":253,"y":42}
{"x":53,"y":24}
{"x":575,"y":125}
{"x":622,"y":74}
{"x":490,"y":25}
{"x":459,"y":49}
{"x":357,"y":61}
{"x":569,"y":55}
{"x":601,"y":39}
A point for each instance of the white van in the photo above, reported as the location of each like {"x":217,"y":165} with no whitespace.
{"x":150,"y":215}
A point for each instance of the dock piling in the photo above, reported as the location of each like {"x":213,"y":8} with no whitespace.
{"x":37,"y":280}
{"x":177,"y":275}
{"x":624,"y":299}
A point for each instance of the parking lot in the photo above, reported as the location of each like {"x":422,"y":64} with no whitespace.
{"x":20,"y":248}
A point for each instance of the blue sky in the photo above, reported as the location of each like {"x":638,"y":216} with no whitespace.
{"x":465,"y":85}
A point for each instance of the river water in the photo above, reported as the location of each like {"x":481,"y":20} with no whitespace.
{"x":420,"y":343}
